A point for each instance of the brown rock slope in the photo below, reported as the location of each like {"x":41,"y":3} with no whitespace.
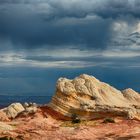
{"x":90,"y":98}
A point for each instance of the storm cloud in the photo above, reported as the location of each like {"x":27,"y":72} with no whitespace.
{"x":40,"y":23}
{"x":67,"y":38}
{"x":43,"y":28}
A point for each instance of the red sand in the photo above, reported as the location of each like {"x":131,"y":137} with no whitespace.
{"x":41,"y":126}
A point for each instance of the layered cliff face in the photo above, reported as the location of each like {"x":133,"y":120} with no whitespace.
{"x":90,"y":98}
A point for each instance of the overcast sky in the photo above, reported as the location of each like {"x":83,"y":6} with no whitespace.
{"x":41,"y":40}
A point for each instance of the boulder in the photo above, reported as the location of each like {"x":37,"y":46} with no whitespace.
{"x":90,"y":98}
{"x":31,"y":109}
{"x":13,"y":110}
{"x":16,"y":109}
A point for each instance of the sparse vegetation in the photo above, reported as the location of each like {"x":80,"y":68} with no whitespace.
{"x":7,"y":138}
{"x":82,"y":123}
{"x":20,"y":137}
{"x":93,"y":97}
{"x":75,"y":118}
{"x":108,"y":120}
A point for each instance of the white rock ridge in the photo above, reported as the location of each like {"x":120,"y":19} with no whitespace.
{"x":90,"y":98}
{"x":13,"y":110}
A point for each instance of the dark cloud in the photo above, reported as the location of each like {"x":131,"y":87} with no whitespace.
{"x":79,"y":24}
{"x":30,"y":30}
{"x":33,"y":24}
{"x":42,"y":40}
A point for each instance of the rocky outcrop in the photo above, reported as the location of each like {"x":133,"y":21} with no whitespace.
{"x":30,"y":107}
{"x":132,"y":96}
{"x":90,"y":98}
{"x":15,"y":109}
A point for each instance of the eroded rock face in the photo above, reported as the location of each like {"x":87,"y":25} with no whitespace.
{"x":90,"y":98}
{"x":15,"y":109}
{"x":132,"y":96}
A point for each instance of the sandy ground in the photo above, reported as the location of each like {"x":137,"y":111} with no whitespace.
{"x":42,"y":126}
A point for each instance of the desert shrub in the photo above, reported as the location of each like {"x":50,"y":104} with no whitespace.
{"x":75,"y":118}
{"x":93,"y":97}
{"x":6,"y":138}
{"x":109,"y":120}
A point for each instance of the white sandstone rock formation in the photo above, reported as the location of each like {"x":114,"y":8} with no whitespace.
{"x":13,"y":110}
{"x":90,"y":98}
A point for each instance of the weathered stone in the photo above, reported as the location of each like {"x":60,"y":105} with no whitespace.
{"x":90,"y":98}
{"x":13,"y":110}
{"x":31,"y":109}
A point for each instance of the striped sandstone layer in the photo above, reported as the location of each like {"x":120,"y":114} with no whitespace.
{"x":90,"y":98}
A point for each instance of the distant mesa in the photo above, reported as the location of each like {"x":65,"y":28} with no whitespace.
{"x":90,"y":98}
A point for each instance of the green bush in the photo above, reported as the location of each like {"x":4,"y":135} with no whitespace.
{"x":109,"y":120}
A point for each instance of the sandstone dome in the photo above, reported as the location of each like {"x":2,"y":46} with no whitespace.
{"x":90,"y":98}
